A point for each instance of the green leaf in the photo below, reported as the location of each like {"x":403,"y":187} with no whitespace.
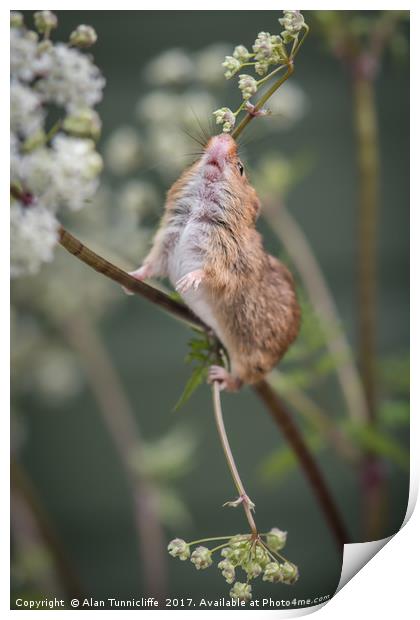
{"x":197,"y":377}
{"x":375,"y":440}
{"x":395,"y":413}
{"x":282,"y":461}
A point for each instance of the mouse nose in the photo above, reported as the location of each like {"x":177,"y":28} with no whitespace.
{"x":219,"y":148}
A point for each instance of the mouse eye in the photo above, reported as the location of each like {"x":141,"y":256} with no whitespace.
{"x":240,"y":168}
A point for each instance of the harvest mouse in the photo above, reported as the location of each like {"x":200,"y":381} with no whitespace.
{"x":209,"y":248}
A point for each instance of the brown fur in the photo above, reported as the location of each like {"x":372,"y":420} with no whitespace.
{"x":251,"y":293}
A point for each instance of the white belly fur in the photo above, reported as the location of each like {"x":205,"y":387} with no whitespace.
{"x":184,"y":258}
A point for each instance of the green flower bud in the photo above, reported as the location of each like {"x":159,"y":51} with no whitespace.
{"x":83,"y":36}
{"x":289,"y":573}
{"x":45,"y":21}
{"x":34,"y":141}
{"x":44,"y":46}
{"x":253,"y":569}
{"x":94,"y":164}
{"x":241,"y":591}
{"x":228,"y":570}
{"x":84,"y":124}
{"x":261,"y":556}
{"x":276,"y":539}
{"x":178,"y":548}
{"x":273,"y":572}
{"x":201,"y":558}
{"x":248,"y":85}
{"x":241,"y":53}
{"x":16,"y":19}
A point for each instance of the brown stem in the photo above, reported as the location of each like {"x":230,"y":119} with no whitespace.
{"x":220,"y":425}
{"x":24,"y":494}
{"x":366,"y":127}
{"x":120,"y":421}
{"x":87,"y":256}
{"x":73,"y":245}
{"x":289,"y":429}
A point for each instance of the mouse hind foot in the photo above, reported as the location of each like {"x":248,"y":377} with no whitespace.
{"x":226,"y":381}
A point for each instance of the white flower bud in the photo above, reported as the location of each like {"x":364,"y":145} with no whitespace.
{"x":241,"y":53}
{"x":178,"y":548}
{"x":225,"y":116}
{"x":261,"y":67}
{"x":248,"y":85}
{"x":45,"y":21}
{"x":228,"y":570}
{"x":276,"y":539}
{"x":33,"y":236}
{"x":292,"y":22}
{"x":83,"y":36}
{"x":201,"y":558}
{"x":263,"y":47}
{"x":232,"y":65}
{"x":241,"y":591}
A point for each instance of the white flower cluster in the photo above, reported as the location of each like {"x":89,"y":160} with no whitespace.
{"x":267,"y":51}
{"x":55,"y":167}
{"x":255,"y":556}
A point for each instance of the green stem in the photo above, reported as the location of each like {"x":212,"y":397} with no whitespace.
{"x":270,"y":75}
{"x":219,"y":547}
{"x":273,"y":557}
{"x":196,"y":542}
{"x":52,"y":132}
{"x":295,"y":51}
{"x":248,"y":118}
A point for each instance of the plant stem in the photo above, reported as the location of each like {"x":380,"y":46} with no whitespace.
{"x":248,"y":118}
{"x":274,"y":404}
{"x":285,"y":421}
{"x":366,"y":126}
{"x":119,"y":418}
{"x":211,"y":539}
{"x":368,"y":161}
{"x":87,"y":256}
{"x":218,"y":415}
{"x":292,"y":237}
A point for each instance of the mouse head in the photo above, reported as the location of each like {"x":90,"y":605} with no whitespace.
{"x":221,"y":166}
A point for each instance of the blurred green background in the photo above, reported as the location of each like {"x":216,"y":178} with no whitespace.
{"x":63,"y":444}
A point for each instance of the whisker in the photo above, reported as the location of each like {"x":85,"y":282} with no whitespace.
{"x":203,"y":133}
{"x":193,"y":137}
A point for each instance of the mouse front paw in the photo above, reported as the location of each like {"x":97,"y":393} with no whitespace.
{"x":190,"y":280}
